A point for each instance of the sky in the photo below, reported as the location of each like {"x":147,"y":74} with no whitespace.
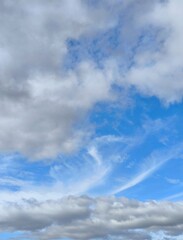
{"x":91,"y":136}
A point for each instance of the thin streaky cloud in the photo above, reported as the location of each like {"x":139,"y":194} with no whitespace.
{"x":158,"y":160}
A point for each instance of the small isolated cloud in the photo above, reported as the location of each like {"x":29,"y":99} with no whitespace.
{"x":173,"y":180}
{"x":90,"y":218}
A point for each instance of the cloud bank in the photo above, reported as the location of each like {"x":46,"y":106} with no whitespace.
{"x":92,"y":218}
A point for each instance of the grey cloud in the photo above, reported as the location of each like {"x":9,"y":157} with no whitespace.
{"x":40,"y":102}
{"x":90,"y":218}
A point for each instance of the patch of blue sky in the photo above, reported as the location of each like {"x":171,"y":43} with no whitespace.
{"x":157,"y":186}
{"x":97,"y":48}
{"x":116,"y":119}
{"x":147,"y":40}
{"x":16,"y":171}
{"x":161,"y":235}
{"x":12,"y":235}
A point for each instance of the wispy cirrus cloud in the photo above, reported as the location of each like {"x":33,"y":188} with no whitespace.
{"x":155,"y":161}
{"x":100,"y":168}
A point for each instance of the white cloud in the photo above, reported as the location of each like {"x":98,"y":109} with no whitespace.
{"x":173,"y":180}
{"x":158,"y":72}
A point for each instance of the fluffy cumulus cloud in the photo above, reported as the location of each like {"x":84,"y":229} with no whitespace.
{"x":157,"y":71}
{"x":41,"y":102}
{"x":92,"y":218}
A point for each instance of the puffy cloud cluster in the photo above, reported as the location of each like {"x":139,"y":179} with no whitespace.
{"x":40,"y":101}
{"x":91,"y":218}
{"x":157,"y":71}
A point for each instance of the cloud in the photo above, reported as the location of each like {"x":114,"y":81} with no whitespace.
{"x":152,"y":164}
{"x":88,"y":218}
{"x":174,"y":197}
{"x":173,"y":180}
{"x":157,"y":68}
{"x":41,"y":103}
{"x":68,"y":175}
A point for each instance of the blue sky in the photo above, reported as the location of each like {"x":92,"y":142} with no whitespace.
{"x":91,"y":120}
